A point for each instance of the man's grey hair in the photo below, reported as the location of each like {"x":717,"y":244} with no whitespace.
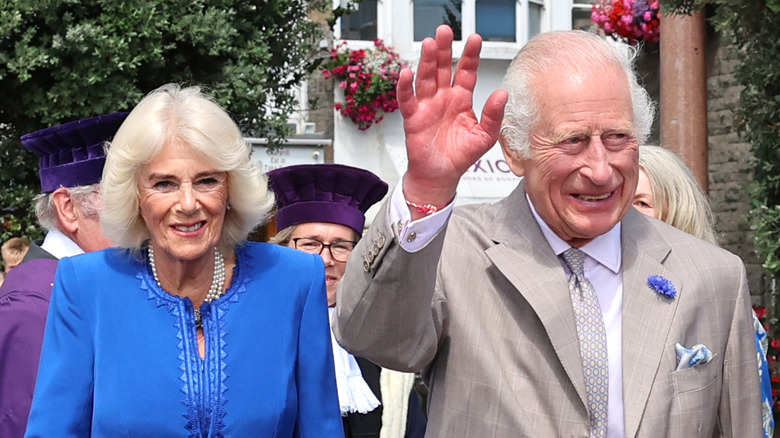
{"x":85,"y":198}
{"x":557,"y":50}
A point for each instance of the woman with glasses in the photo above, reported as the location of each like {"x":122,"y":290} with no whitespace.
{"x":321,"y":210}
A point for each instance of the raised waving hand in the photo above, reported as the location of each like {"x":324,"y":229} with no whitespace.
{"x":443,"y":135}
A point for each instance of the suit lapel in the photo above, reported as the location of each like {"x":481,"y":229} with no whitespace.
{"x":647,"y":315}
{"x":524,"y":257}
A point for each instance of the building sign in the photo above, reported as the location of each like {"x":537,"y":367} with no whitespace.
{"x":293,"y":152}
{"x":487,"y":180}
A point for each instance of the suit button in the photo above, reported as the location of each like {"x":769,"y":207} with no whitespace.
{"x":366,"y":265}
{"x":411,"y":237}
{"x":381,"y":241}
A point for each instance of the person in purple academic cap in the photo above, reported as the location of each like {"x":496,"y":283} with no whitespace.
{"x":71,"y":160}
{"x":321,"y":210}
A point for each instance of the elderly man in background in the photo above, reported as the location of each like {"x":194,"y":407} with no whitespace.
{"x":560,"y":310}
{"x":71,"y":164}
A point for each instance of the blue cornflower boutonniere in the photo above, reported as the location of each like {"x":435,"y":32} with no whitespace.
{"x":662,"y":286}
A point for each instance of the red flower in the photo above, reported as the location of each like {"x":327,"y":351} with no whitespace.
{"x":631,"y":20}
{"x":368,"y":79}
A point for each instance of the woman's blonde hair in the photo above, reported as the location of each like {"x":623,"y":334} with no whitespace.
{"x":283,"y":236}
{"x":172,"y":113}
{"x":677,"y":197}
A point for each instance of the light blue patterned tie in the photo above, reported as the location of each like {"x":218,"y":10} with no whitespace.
{"x":593,"y":341}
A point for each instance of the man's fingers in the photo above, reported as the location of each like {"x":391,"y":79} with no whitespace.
{"x":425,"y":82}
{"x":444,"y":38}
{"x":493,"y":113}
{"x":466,"y":71}
{"x":407,"y":102}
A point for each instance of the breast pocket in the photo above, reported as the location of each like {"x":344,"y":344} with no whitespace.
{"x":696,"y":392}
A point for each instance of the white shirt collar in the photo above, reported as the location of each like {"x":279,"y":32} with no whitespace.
{"x":59,"y":245}
{"x":605,"y":248}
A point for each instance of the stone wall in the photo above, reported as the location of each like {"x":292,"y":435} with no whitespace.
{"x":729,"y":161}
{"x":320,"y":92}
{"x":321,"y":109}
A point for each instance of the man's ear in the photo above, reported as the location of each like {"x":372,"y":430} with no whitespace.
{"x":66,"y":211}
{"x":513,"y":158}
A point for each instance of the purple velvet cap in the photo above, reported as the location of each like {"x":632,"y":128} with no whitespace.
{"x":72,"y":154}
{"x":324,"y":193}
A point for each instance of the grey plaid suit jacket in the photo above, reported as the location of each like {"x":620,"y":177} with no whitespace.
{"x":484,"y":309}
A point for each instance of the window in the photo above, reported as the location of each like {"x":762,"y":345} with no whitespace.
{"x":362,"y":23}
{"x":580,"y":14}
{"x":496,"y":20}
{"x":428,"y":14}
{"x":505,"y":25}
{"x":535,"y":15}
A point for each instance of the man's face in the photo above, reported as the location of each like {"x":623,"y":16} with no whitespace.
{"x":583,"y":167}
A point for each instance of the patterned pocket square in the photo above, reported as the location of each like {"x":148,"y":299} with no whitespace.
{"x":692,"y":357}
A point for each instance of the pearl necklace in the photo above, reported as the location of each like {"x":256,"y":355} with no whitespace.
{"x":217,"y":283}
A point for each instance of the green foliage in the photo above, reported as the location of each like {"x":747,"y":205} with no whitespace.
{"x":62,"y":60}
{"x":754,"y":28}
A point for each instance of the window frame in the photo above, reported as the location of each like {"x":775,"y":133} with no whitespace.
{"x":399,"y":33}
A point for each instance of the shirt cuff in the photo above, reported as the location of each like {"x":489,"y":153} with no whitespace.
{"x":415,"y":235}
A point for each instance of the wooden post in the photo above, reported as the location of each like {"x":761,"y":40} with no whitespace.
{"x":684,"y":91}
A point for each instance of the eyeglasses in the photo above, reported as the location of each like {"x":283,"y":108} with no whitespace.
{"x":339,"y":250}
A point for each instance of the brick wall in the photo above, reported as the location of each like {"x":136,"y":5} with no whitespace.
{"x":729,"y":161}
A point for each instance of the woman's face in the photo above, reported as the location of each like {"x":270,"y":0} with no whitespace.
{"x":643,"y":197}
{"x":326,"y":233}
{"x":183,"y":200}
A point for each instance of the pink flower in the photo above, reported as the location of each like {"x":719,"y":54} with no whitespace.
{"x":368,"y":78}
{"x":630,"y":20}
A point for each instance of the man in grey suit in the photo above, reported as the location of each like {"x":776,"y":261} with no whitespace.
{"x":652,"y":337}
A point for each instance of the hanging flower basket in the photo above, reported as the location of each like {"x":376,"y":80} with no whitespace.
{"x":368,"y":78}
{"x":630,"y":20}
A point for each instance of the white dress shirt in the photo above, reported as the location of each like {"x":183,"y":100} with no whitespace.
{"x":59,"y":245}
{"x":603,"y":267}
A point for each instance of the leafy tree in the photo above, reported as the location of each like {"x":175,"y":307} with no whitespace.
{"x":62,"y":60}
